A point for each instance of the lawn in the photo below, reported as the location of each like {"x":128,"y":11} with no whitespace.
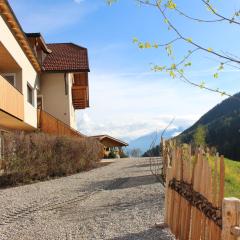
{"x":232,"y":178}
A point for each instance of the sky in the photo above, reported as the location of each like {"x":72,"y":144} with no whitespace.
{"x":128,"y":99}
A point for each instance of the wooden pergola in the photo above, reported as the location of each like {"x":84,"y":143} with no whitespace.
{"x":111,"y":144}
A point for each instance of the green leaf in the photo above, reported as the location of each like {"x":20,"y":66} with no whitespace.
{"x":159,"y":3}
{"x":148,"y":45}
{"x":135,"y":40}
{"x":202,"y":85}
{"x":141,"y":45}
{"x":221,"y":67}
{"x":215,"y":75}
{"x":171,"y":4}
{"x":172,"y":74}
{"x":181,"y":71}
{"x":169,"y":49}
{"x":166,"y":20}
{"x":188,"y":64}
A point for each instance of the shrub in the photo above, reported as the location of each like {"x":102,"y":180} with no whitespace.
{"x":38,"y":156}
{"x":123,"y":154}
{"x":112,"y":154}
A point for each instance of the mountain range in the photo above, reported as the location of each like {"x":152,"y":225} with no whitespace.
{"x":144,"y":142}
{"x":222,"y":126}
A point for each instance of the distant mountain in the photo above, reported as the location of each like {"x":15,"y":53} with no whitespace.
{"x":144,"y":142}
{"x":222,"y":124}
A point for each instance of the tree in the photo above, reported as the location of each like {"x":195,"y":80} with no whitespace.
{"x":178,"y":67}
{"x":199,"y":136}
{"x":135,"y":152}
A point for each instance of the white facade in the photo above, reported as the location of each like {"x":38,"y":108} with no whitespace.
{"x":56,"y":93}
{"x":26,"y":75}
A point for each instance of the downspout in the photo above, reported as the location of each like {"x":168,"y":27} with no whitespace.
{"x":66,"y":83}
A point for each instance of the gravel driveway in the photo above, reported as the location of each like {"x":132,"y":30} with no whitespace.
{"x":120,"y":201}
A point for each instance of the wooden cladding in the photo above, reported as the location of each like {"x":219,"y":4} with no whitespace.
{"x":80,"y":97}
{"x":80,"y":91}
{"x":81,"y":79}
{"x":11,"y":100}
{"x":51,"y":125}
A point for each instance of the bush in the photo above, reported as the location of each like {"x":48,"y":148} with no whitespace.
{"x":123,"y":154}
{"x":38,"y":156}
{"x":112,"y":155}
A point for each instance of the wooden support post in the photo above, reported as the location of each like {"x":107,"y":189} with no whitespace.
{"x":231,"y":219}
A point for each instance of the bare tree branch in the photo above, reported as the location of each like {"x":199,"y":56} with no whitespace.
{"x":198,"y":19}
{"x":219,"y":15}
{"x":187,"y":40}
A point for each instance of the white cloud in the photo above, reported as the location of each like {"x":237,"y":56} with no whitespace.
{"x":129,"y":127}
{"x":129,"y":105}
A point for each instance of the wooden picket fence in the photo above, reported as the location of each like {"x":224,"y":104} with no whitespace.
{"x":195,"y":208}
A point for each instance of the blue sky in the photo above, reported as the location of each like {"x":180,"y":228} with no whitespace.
{"x":127,"y":99}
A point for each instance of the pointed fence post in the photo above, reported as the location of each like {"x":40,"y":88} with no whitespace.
{"x":231,"y":219}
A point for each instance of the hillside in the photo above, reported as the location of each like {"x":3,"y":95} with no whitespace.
{"x":144,"y":142}
{"x":222,"y":125}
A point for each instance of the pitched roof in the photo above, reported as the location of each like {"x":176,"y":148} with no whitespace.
{"x":40,"y":40}
{"x":66,"y":57}
{"x":117,"y":141}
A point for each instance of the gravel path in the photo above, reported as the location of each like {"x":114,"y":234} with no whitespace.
{"x":120,"y":201}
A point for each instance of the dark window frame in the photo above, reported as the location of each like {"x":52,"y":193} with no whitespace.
{"x":30,"y":94}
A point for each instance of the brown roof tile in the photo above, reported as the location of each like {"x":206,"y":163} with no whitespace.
{"x":66,"y":57}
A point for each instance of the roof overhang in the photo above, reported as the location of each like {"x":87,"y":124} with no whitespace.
{"x":117,"y":142}
{"x":66,"y":71}
{"x":40,"y":40}
{"x":15,"y":27}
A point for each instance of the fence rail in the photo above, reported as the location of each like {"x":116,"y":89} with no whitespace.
{"x":51,"y":125}
{"x":195,"y":208}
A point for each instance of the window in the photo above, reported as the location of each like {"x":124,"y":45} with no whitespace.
{"x":30,"y":95}
{"x":10,"y":77}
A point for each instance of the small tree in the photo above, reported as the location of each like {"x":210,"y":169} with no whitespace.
{"x":200,"y":136}
{"x":123,"y":154}
{"x":136,"y":152}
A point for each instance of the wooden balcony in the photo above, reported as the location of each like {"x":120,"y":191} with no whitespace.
{"x":80,"y":91}
{"x":11,"y":100}
{"x":80,"y":97}
{"x":51,"y":125}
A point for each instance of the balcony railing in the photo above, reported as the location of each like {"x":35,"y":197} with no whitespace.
{"x":11,"y":100}
{"x":80,"y":97}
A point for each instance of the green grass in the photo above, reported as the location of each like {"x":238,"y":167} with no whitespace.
{"x":232,"y":178}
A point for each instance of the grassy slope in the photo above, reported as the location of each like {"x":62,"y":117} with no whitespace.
{"x":232,"y":178}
